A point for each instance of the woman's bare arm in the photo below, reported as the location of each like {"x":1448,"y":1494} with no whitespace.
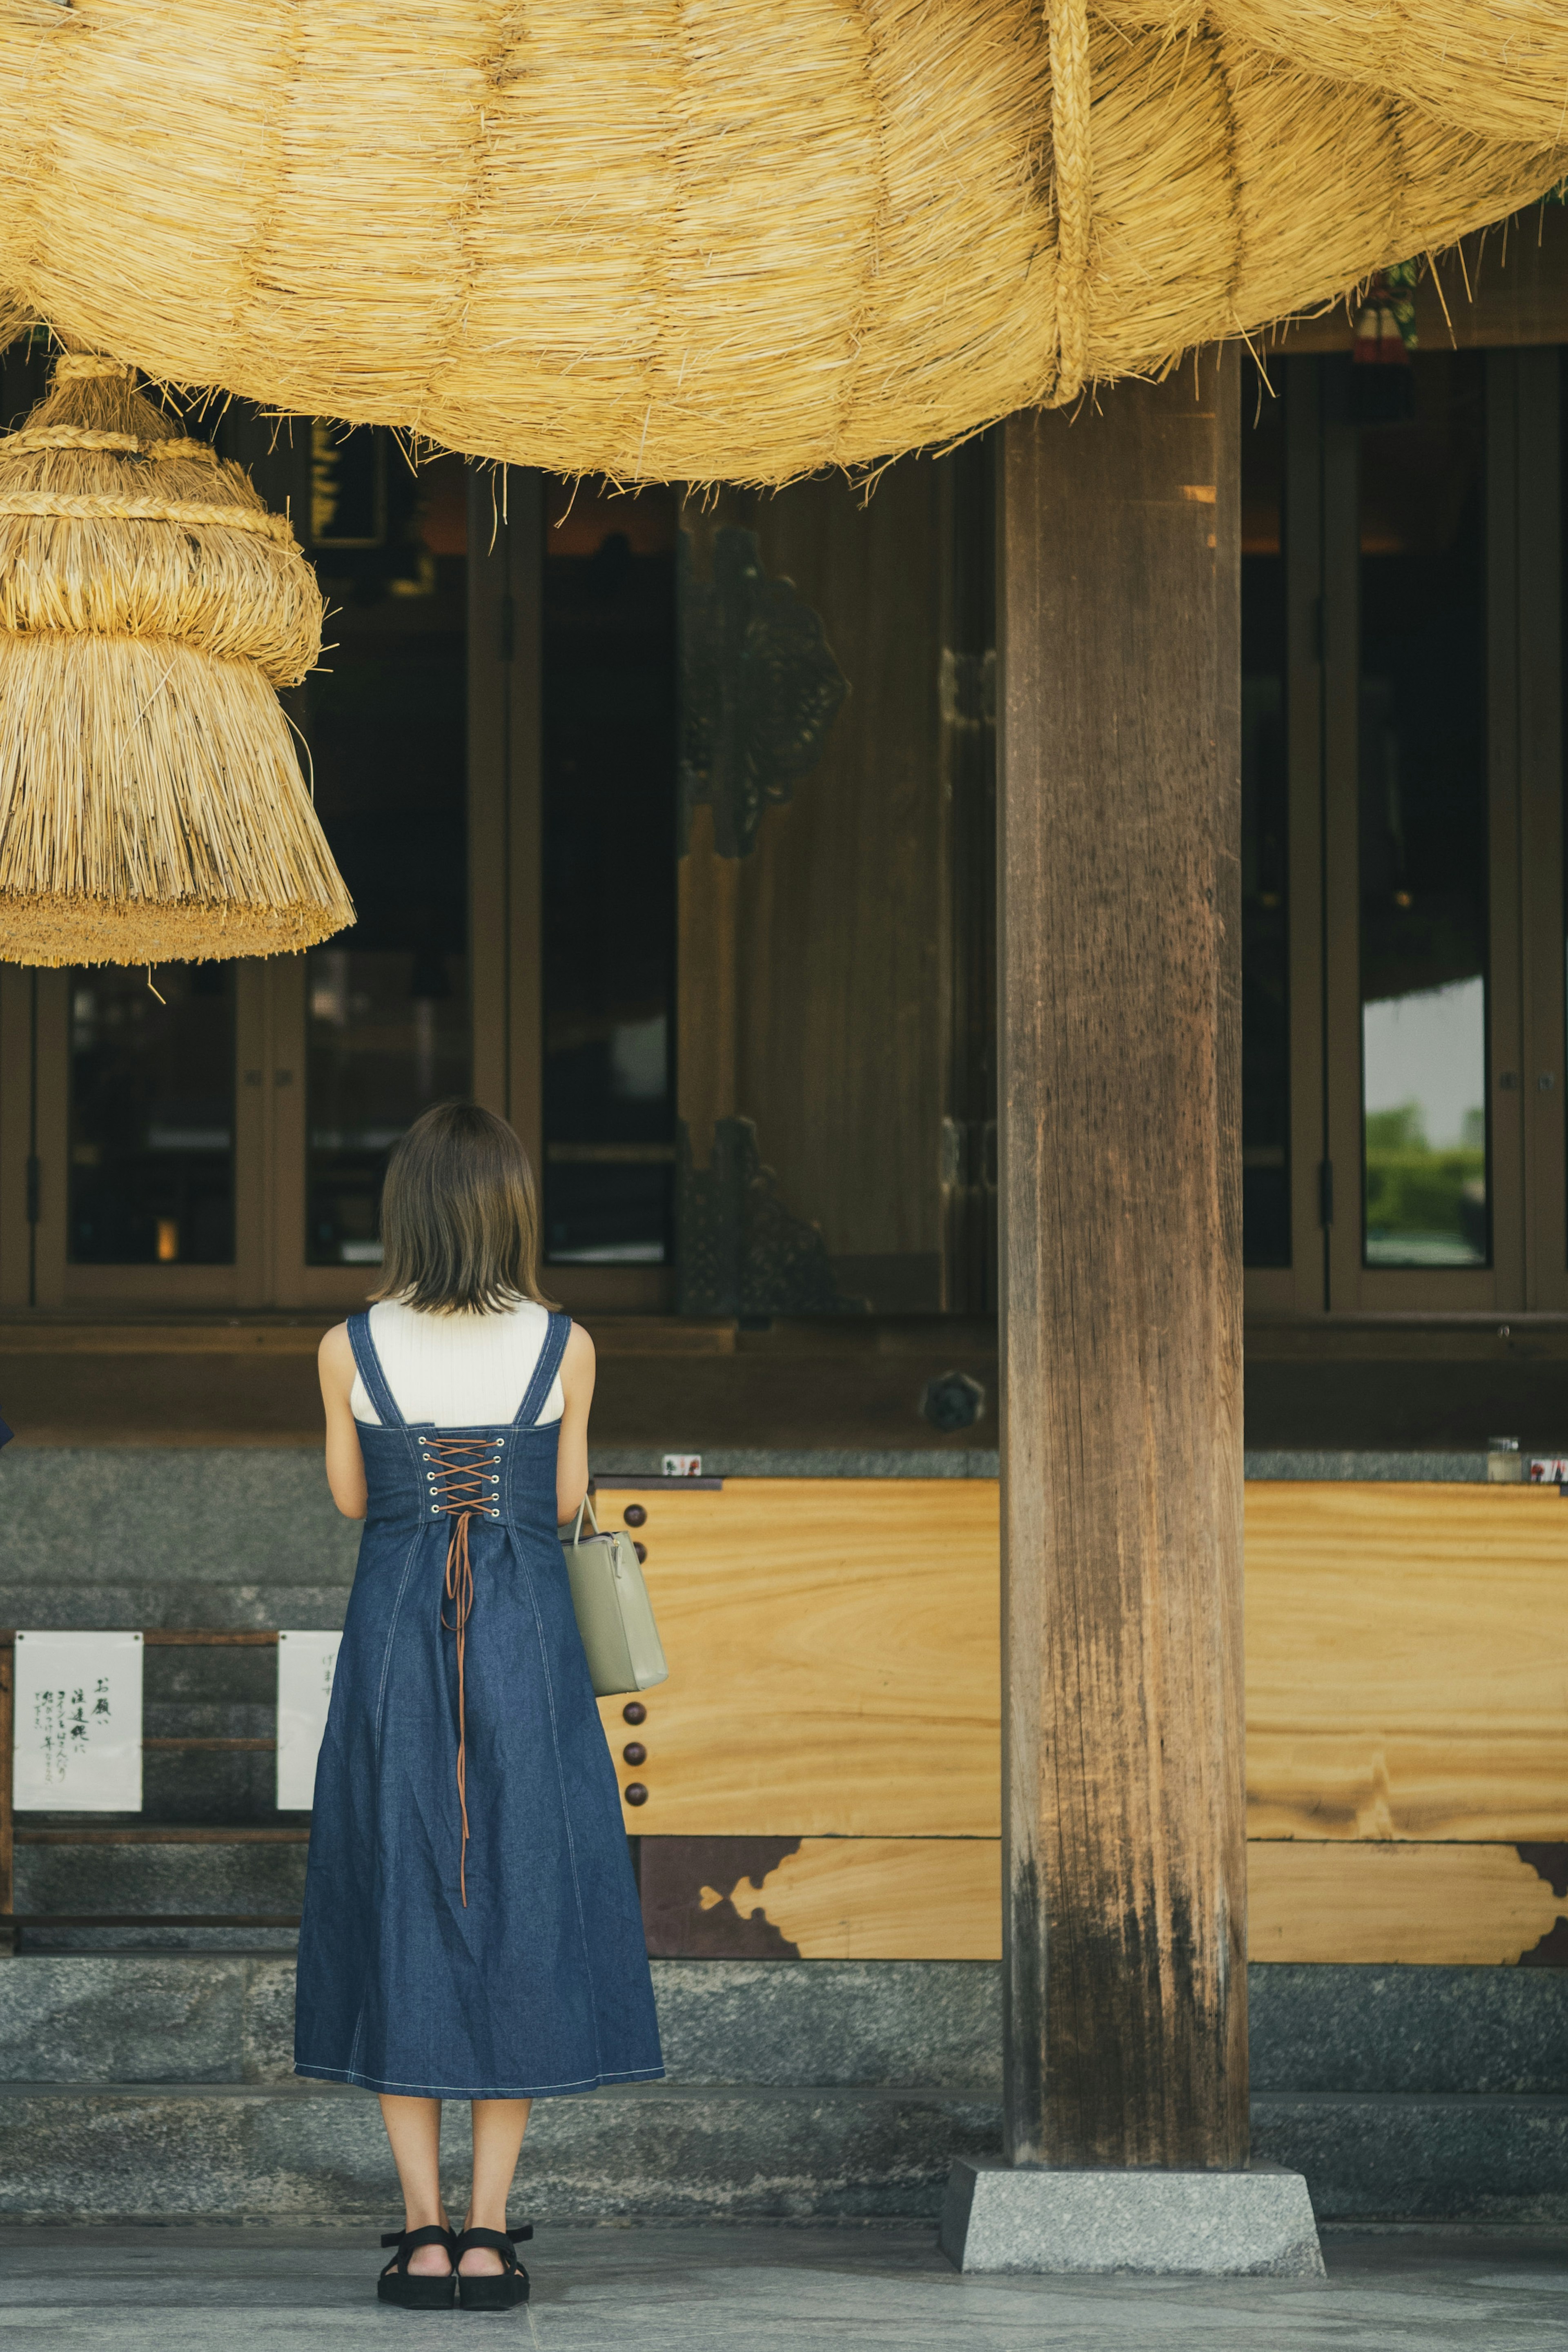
{"x":577,"y":1368}
{"x":345,"y":1463}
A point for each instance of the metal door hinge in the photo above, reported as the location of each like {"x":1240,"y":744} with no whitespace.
{"x":35,"y":1187}
{"x":1325,"y":1192}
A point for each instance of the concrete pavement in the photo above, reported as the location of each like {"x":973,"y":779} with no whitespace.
{"x":777,"y":2288}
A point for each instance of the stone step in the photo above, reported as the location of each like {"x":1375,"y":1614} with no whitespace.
{"x":218,"y":1604}
{"x":68,"y":2017}
{"x":224,"y":2152}
{"x":132,"y":2152}
{"x":171,"y":1516}
{"x":229,"y":2018}
{"x":1403,"y":2155}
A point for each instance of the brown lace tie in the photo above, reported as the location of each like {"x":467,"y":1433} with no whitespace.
{"x":464,"y":1484}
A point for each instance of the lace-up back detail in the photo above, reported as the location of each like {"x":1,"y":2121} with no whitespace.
{"x":465,"y":1484}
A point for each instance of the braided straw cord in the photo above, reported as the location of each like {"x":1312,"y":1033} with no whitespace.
{"x":1066,"y":23}
{"x":55,"y":505}
{"x":85,"y":364}
{"x":83,"y":437}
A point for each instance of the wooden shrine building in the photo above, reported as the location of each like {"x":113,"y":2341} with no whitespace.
{"x":1031,"y":993}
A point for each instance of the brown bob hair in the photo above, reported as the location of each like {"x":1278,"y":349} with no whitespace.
{"x":459,"y":1216}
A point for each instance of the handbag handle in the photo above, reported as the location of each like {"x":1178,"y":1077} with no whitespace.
{"x":585,"y":1504}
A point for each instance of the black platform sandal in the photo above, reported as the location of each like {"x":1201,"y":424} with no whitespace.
{"x":495,"y":2290}
{"x":398,"y":2284}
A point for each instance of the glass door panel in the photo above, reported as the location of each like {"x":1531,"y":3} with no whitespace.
{"x":1265,"y":828}
{"x":150,"y":1140}
{"x":608,"y":725}
{"x":1424,"y":826}
{"x":387,"y":1016}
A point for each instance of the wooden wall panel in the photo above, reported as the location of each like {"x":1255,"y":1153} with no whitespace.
{"x":889,"y":1898}
{"x":835,"y":1667}
{"x":834,"y":1654}
{"x":1428,"y":1906}
{"x":1406,"y":1661}
{"x":940,"y":1899}
{"x":824,"y":1898}
{"x":815,"y":974}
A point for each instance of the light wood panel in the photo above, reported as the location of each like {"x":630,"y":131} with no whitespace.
{"x":1428,"y":1906}
{"x":882,"y":1898}
{"x":835,"y":1667}
{"x":833,"y":1655}
{"x":940,"y":1899}
{"x":1406,"y":1661}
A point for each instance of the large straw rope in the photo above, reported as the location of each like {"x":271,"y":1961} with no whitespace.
{"x":744,"y":242}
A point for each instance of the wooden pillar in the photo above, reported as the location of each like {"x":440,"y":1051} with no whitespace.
{"x":1119,"y":920}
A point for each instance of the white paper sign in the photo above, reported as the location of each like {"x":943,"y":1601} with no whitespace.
{"x":77,"y":1745}
{"x":306,"y":1664}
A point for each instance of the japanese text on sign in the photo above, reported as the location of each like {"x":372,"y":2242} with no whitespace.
{"x":76,"y":1738}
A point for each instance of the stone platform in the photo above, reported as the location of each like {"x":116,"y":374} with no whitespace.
{"x":154,"y":2085}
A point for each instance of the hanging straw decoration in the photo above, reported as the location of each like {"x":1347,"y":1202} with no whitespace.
{"x":150,"y":801}
{"x":736,"y":242}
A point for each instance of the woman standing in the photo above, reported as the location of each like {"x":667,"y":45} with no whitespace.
{"x":471,"y":1926}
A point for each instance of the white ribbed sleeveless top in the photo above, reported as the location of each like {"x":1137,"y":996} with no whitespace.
{"x":460,"y":1372}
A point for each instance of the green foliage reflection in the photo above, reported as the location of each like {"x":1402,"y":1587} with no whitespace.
{"x":1424,"y":1207}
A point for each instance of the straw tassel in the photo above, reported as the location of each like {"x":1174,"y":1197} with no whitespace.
{"x":152,"y":807}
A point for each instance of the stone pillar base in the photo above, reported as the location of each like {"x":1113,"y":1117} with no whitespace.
{"x":1253,"y":2224}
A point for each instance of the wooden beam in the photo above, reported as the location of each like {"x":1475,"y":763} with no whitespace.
{"x":1124,"y":1864}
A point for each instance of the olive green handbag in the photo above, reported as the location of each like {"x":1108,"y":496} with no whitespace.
{"x":614,"y":1615}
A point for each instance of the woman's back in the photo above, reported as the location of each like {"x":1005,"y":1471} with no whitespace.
{"x":457,"y":1370}
{"x":471,"y":1926}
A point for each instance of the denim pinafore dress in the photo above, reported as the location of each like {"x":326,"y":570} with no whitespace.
{"x":471,"y":1926}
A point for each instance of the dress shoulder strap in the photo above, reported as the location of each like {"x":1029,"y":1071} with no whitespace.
{"x":370,"y":1372}
{"x":557,"y":1333}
